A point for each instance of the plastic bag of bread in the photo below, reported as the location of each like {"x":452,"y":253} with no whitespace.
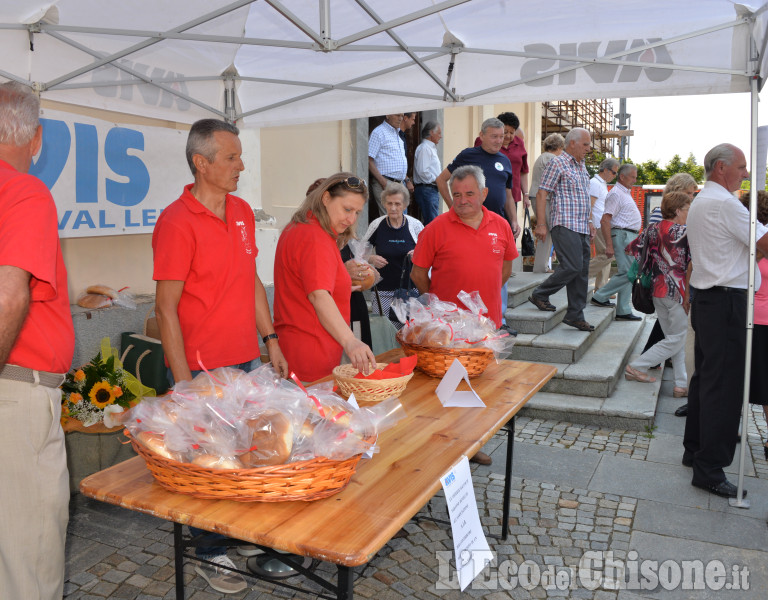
{"x":271,"y":439}
{"x":361,"y":272}
{"x":338,"y":440}
{"x":437,"y":333}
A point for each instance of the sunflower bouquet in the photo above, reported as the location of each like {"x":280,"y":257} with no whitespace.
{"x":99,"y":390}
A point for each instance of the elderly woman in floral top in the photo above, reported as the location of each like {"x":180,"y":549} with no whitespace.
{"x":668,"y":259}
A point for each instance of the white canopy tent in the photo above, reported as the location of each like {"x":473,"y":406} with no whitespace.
{"x":274,"y":62}
{"x":294,"y":61}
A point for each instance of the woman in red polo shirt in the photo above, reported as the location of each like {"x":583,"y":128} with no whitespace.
{"x":312,"y":285}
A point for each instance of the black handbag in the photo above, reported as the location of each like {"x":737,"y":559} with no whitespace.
{"x":642,"y":288}
{"x":143,"y":357}
{"x":527,"y":245}
{"x":404,"y":291}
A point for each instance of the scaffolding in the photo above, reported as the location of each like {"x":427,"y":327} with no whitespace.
{"x":594,"y":115}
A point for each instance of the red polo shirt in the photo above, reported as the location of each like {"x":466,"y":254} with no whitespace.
{"x":307,"y":259}
{"x":29,"y":240}
{"x":463,"y":258}
{"x":217,"y":263}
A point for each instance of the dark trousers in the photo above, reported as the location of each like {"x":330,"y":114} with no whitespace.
{"x":719,"y":318}
{"x":571,"y":273}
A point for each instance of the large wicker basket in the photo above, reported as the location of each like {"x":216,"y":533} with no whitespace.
{"x":305,"y":480}
{"x":369,"y":390}
{"x":435,"y":361}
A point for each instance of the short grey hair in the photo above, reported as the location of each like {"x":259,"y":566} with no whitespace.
{"x":201,"y":140}
{"x":721,"y":152}
{"x":462,"y":173}
{"x":393,"y":189}
{"x":626,"y":167}
{"x":575,"y":134}
{"x":554,"y":141}
{"x":492,"y":123}
{"x":680,"y":182}
{"x":608,"y":164}
{"x":19,"y":114}
{"x":428,"y":128}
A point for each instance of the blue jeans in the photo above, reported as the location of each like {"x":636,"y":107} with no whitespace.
{"x":428,"y":199}
{"x":209,"y":552}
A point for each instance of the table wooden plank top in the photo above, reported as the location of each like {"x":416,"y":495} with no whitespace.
{"x":350,"y":527}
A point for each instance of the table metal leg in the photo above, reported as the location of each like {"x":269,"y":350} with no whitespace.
{"x":344,"y":583}
{"x":508,"y":477}
{"x":178,"y":555}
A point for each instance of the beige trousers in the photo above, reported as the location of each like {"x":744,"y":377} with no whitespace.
{"x":600,"y":264}
{"x":34,"y":492}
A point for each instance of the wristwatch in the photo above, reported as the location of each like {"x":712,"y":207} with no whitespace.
{"x":271,"y":336}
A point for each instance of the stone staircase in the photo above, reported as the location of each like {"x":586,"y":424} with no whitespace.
{"x":589,"y":386}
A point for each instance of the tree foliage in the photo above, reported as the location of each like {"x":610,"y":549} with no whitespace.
{"x":650,"y":172}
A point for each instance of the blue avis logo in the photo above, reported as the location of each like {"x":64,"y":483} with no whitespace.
{"x":120,"y":148}
{"x":450,"y":479}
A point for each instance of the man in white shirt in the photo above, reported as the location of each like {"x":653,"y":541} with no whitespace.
{"x":386,"y":157}
{"x":718,"y":236}
{"x":426,"y":168}
{"x":600,"y":264}
{"x":620,"y":224}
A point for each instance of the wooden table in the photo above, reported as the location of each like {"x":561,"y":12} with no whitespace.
{"x":349,"y":528}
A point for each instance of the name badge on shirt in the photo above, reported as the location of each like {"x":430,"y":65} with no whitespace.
{"x":499,"y":166}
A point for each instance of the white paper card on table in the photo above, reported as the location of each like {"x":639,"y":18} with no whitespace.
{"x":450,"y":396}
{"x":353,"y":401}
{"x":471,"y":550}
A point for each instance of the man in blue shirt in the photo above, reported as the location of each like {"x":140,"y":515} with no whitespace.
{"x":496,"y":168}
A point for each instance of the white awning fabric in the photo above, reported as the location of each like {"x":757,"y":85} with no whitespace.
{"x":296,"y":61}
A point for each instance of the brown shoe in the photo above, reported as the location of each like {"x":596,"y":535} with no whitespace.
{"x":481,"y":458}
{"x":580,"y":325}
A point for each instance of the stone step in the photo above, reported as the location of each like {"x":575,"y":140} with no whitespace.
{"x":600,"y":369}
{"x":524,"y":317}
{"x":631,"y":405}
{"x":562,"y":344}
{"x":520,"y":286}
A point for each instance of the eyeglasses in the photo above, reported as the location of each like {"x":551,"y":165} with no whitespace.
{"x":354,"y":183}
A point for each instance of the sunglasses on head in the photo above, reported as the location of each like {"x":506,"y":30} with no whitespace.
{"x":354,"y":183}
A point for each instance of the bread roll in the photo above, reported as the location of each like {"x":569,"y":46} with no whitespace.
{"x":366,"y":283}
{"x":211,"y":461}
{"x":437,"y":336}
{"x":104,"y":290}
{"x":156,"y":443}
{"x":271,"y":440}
{"x":94,"y":301}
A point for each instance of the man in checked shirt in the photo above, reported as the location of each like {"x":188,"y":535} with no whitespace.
{"x":566,"y":181}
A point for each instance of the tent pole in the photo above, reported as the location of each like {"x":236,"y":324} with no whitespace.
{"x":738,"y":501}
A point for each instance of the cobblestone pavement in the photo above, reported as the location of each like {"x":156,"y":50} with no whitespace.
{"x":114,"y":553}
{"x":550,"y":526}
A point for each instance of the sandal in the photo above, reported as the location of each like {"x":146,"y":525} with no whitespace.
{"x":680,"y":392}
{"x":631,"y":374}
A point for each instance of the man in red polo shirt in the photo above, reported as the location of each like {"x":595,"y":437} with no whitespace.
{"x":468,"y":248}
{"x":210,"y":301}
{"x":37,"y":341}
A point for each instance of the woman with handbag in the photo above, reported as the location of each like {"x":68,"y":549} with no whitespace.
{"x":394,"y":237}
{"x":667,"y":259}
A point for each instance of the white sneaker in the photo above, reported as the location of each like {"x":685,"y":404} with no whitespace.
{"x":249,"y":550}
{"x":222,"y":578}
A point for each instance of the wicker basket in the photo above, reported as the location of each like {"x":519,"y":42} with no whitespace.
{"x":369,"y":390}
{"x":306,"y":480}
{"x":435,"y":361}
